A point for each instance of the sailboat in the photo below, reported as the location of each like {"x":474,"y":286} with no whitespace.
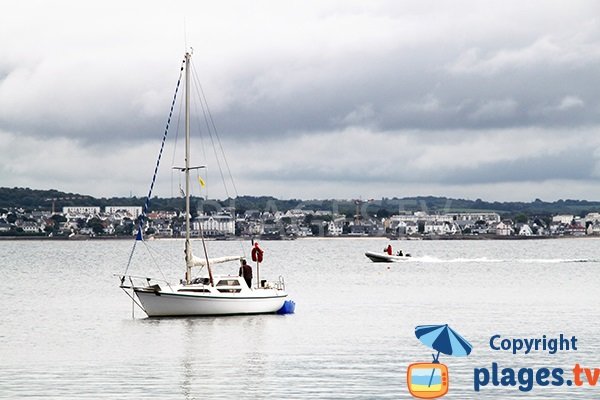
{"x":201,"y":295}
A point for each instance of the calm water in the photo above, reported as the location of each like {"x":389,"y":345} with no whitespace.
{"x":67,"y":331}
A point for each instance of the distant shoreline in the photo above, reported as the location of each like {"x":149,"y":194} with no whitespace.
{"x":401,"y":239}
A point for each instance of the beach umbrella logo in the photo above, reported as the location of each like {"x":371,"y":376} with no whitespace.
{"x":431,"y":380}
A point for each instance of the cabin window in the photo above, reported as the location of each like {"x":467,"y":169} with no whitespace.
{"x":196,"y":290}
{"x":229,"y":290}
{"x":228,"y":282}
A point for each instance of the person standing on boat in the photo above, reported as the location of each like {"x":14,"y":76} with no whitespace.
{"x":246,"y":272}
{"x":388,"y":250}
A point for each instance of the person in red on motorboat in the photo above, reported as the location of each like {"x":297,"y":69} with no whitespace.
{"x":388,"y":250}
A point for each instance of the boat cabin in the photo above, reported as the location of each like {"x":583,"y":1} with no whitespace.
{"x":224,"y":284}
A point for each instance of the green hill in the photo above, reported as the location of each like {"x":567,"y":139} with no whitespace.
{"x":46,"y":199}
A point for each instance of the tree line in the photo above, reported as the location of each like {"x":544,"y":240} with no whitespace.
{"x":45,"y":200}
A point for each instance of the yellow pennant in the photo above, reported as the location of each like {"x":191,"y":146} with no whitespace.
{"x":201,"y":182}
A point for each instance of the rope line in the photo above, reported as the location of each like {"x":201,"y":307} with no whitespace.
{"x":219,"y":141}
{"x":204,"y":106}
{"x":149,"y":249}
{"x":162,"y":146}
{"x":129,"y":262}
{"x":212,"y":133}
{"x":144,"y":214}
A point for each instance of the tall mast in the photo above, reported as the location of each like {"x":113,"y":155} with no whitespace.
{"x":188,"y":249}
{"x":189,"y":263}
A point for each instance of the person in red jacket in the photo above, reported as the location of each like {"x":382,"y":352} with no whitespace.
{"x":389,"y":249}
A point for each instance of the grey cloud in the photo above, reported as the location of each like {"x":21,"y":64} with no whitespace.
{"x":569,"y":167}
{"x":429,"y":73}
{"x":563,"y":166}
{"x":426,"y":99}
{"x":505,"y":81}
{"x":384,"y":160}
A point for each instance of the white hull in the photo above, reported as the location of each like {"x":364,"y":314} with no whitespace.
{"x":385,"y":257}
{"x":168,"y":303}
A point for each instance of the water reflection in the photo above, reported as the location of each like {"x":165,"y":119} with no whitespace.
{"x":220,"y":355}
{"x":352,"y":335}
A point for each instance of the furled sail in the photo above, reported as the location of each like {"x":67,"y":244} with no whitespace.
{"x":201,"y":262}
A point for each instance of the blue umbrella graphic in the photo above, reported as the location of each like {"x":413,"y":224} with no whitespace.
{"x":443,"y":339}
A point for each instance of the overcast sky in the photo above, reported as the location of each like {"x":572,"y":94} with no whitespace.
{"x":311,"y":99}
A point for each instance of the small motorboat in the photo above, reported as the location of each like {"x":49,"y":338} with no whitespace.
{"x":385,"y":257}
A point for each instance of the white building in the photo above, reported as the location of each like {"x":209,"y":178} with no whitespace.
{"x":563,"y":219}
{"x":30,"y":227}
{"x":214,"y":225}
{"x":133,"y":212}
{"x":504,"y":228}
{"x":304,"y":231}
{"x":592,"y":217}
{"x":525,"y":230}
{"x":594,"y":228}
{"x":81,"y":210}
{"x":411,"y":228}
{"x":298,"y":213}
{"x":441,"y":228}
{"x":475,"y":216}
{"x":434,"y":228}
{"x":166,"y":215}
{"x":335,"y":228}
{"x":419,"y":216}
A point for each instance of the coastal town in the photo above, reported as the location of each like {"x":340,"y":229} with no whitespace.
{"x":122,"y":221}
